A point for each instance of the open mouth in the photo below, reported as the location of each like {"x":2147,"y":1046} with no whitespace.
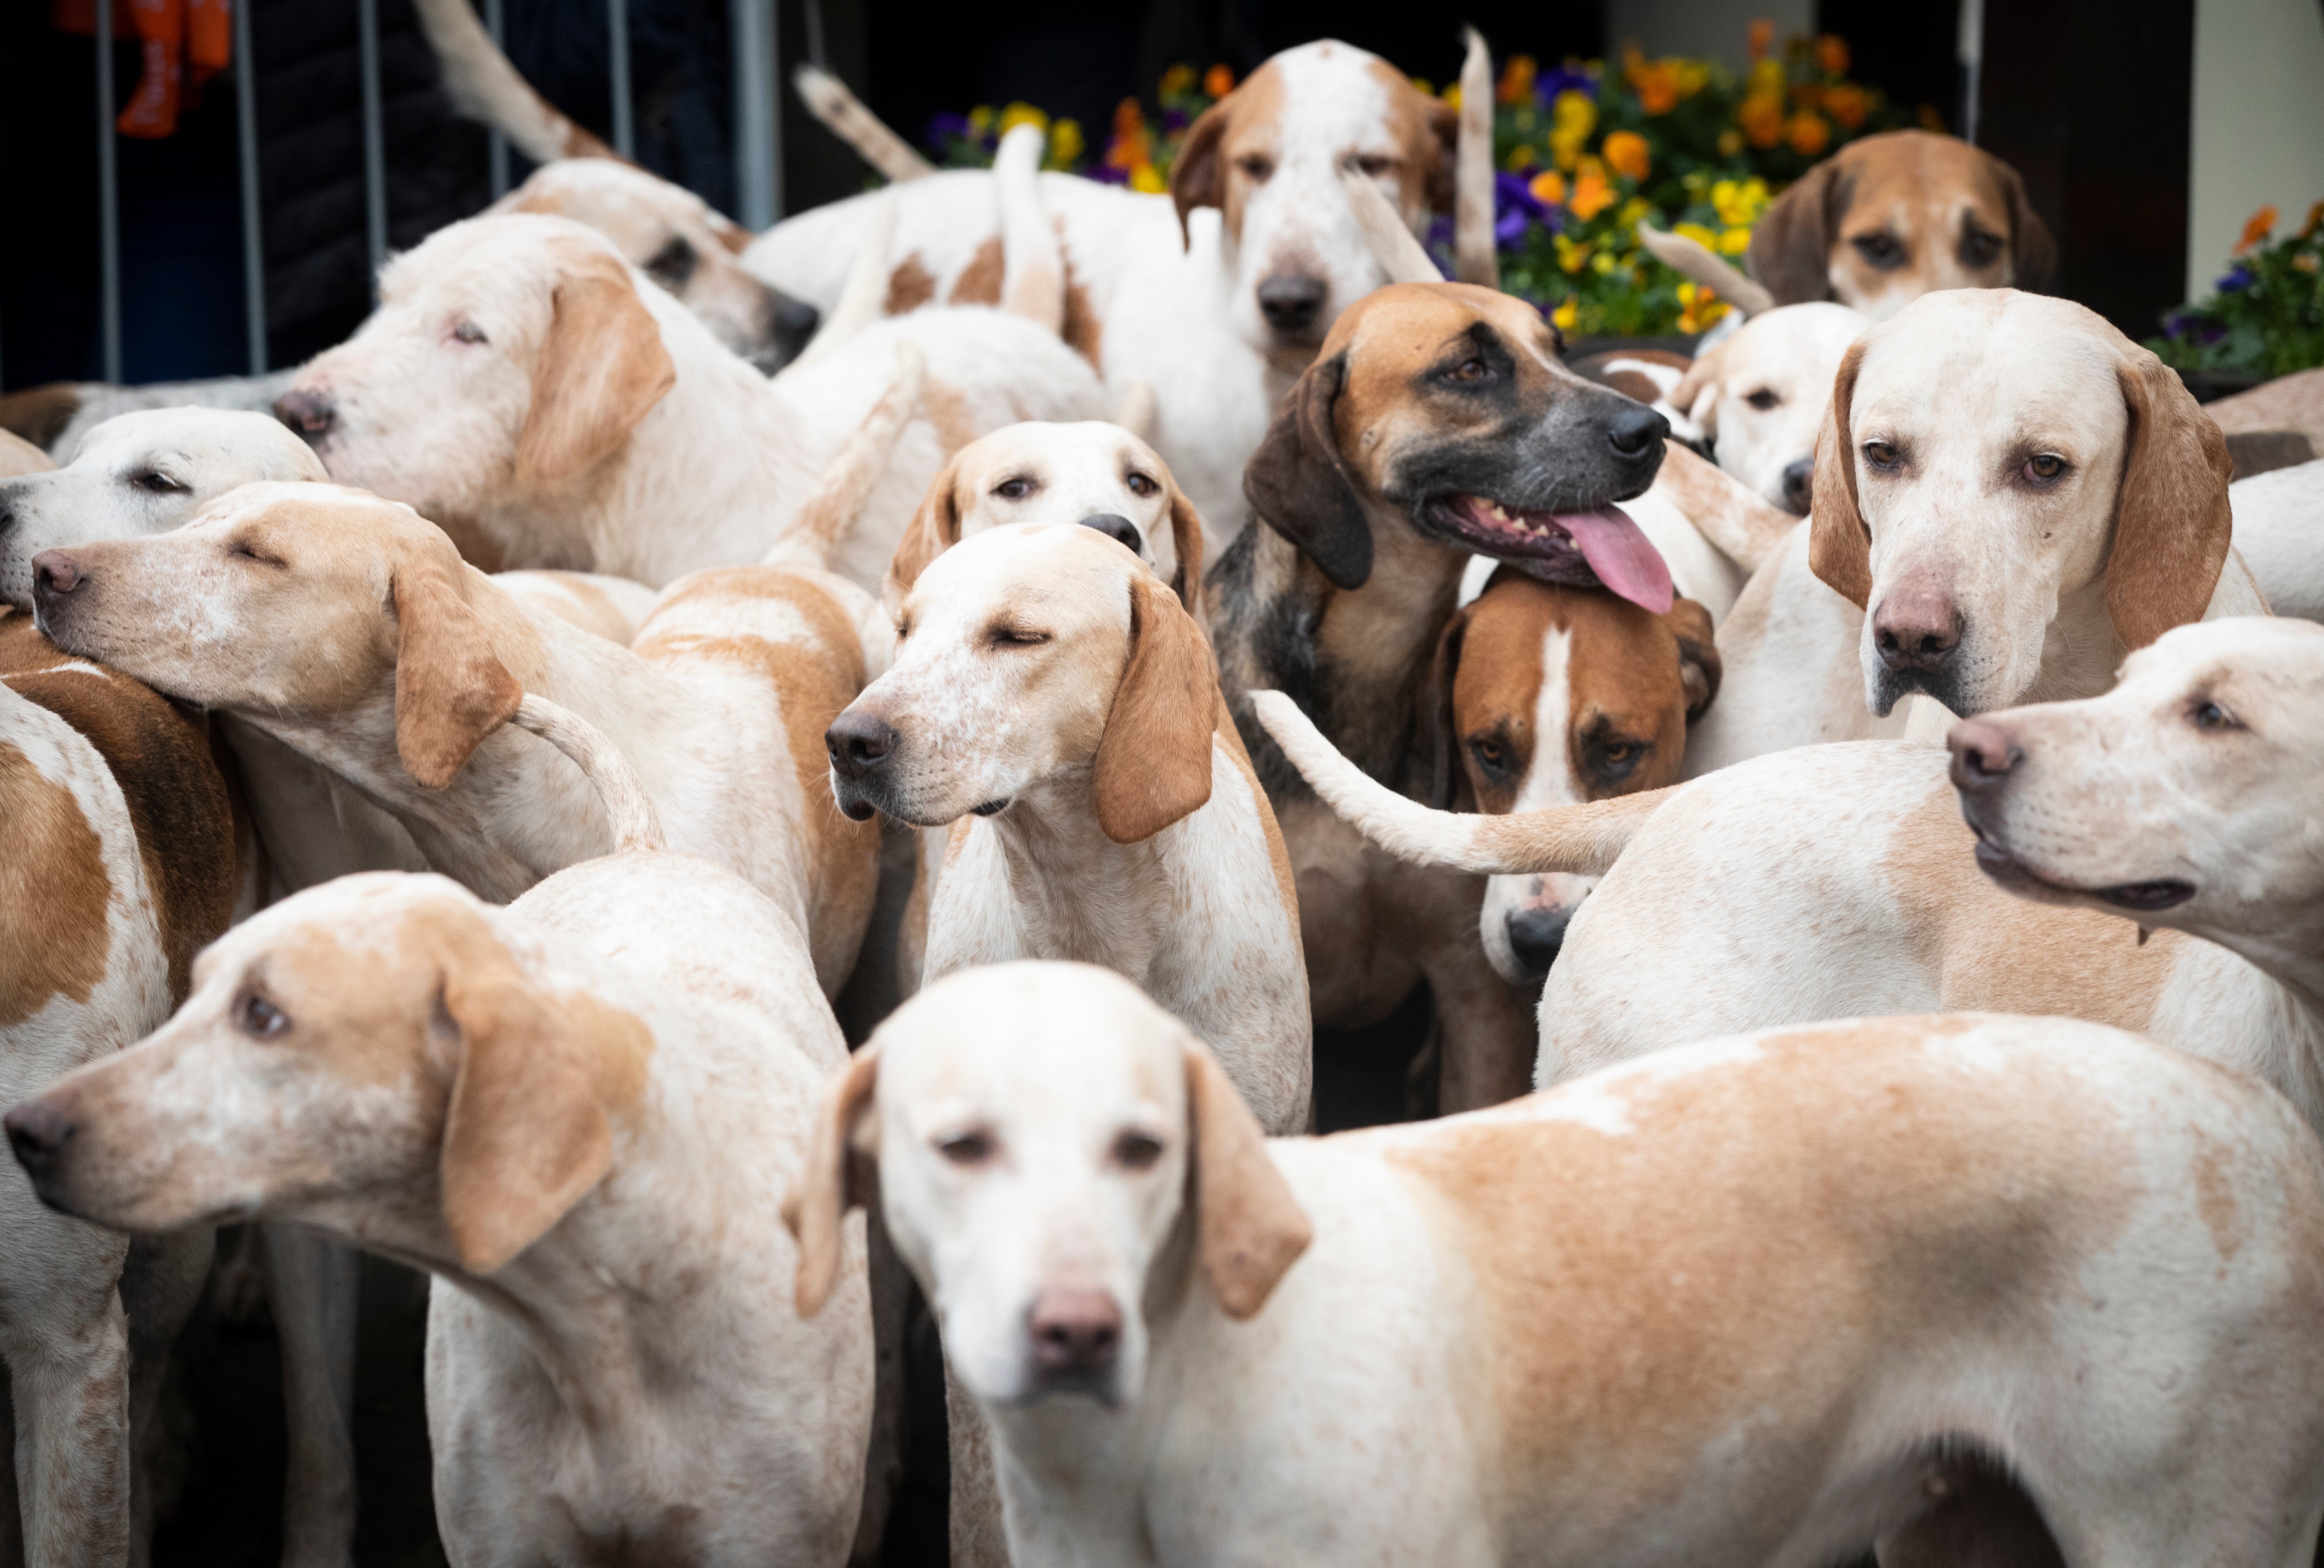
{"x":2138,"y":898}
{"x":1600,"y":548}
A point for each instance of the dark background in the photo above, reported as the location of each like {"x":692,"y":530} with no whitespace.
{"x":2088,"y":98}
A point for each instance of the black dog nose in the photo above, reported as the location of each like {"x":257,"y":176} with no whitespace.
{"x":858,"y":742}
{"x":309,"y":413}
{"x":1075,"y":1331}
{"x":1119,"y":528}
{"x":795,"y":319}
{"x":1798,"y":481}
{"x":1633,"y":431}
{"x":1536,"y":936}
{"x":1983,"y":755}
{"x":1917,"y":628}
{"x":1292,"y":300}
{"x":38,"y":1132}
{"x":54,"y":575}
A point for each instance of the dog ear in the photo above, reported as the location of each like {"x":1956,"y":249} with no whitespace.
{"x":1197,"y":178}
{"x":527,"y":1129}
{"x":1154,"y":761}
{"x":1249,"y":1228}
{"x":2172,"y":527}
{"x":1696,"y":395}
{"x":935,"y":528}
{"x":1437,"y":694}
{"x":1298,"y":484}
{"x":600,"y":369}
{"x":2033,"y":253}
{"x":831,"y":1184}
{"x":451,"y":689}
{"x":1791,"y":248}
{"x":1440,"y":153}
{"x":1699,"y":669}
{"x":1186,"y":540}
{"x":1839,"y":547}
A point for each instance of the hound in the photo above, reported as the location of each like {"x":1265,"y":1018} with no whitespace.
{"x":1759,"y":396}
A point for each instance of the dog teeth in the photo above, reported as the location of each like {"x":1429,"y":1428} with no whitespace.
{"x":1500,"y":513}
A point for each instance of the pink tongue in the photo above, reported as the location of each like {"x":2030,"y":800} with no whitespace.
{"x":1625,"y":560}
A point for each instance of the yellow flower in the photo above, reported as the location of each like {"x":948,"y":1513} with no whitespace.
{"x":1700,"y":236}
{"x":979,"y":119}
{"x":1218,"y":81}
{"x":1603,"y":264}
{"x":1832,"y":54}
{"x":1763,"y":33}
{"x":1637,"y":207}
{"x":1734,"y":242}
{"x":1810,"y":134}
{"x":1178,"y":81}
{"x":1591,"y":194}
{"x":1148,"y":178}
{"x":1520,"y":157}
{"x":1627,"y":154}
{"x":1575,"y":111}
{"x":1761,"y":118}
{"x":2257,"y":229}
{"x":1022,"y":114}
{"x":1565,"y":316}
{"x":1548,"y":188}
{"x":1694,"y":76}
{"x":1766,"y":78}
{"x":1453,"y":94}
{"x":1731,"y":143}
{"x":1065,"y":143}
{"x":1517,"y":78}
{"x":1739,"y":202}
{"x":1571,"y":254}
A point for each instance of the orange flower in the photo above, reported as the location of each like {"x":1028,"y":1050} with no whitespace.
{"x":1657,"y":87}
{"x":1849,"y":106}
{"x":1516,"y":80}
{"x":1810,"y":134}
{"x":1762,"y":119}
{"x":2261,"y":225}
{"x":1548,"y":188}
{"x":1763,"y":36}
{"x":2315,"y":218}
{"x":1832,"y":54}
{"x":1592,"y":196}
{"x":1218,"y":81}
{"x":1626,"y":152}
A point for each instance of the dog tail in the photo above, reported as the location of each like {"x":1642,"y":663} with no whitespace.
{"x":1401,"y":256}
{"x":843,"y":114}
{"x":841,"y":494}
{"x":485,"y":86}
{"x":1579,"y":840}
{"x":1723,"y":509}
{"x":1137,"y":412}
{"x":636,"y":825}
{"x":1476,"y":259}
{"x":862,"y":298}
{"x":1033,"y":280}
{"x":1690,"y":259}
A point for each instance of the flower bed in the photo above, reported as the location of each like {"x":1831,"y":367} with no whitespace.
{"x":2266,"y":317}
{"x":1583,"y":152}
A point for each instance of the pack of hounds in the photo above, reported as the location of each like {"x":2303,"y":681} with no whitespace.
{"x":1855,"y":812}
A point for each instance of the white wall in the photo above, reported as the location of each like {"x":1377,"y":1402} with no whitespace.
{"x":1720,"y":29}
{"x":2258,"y":132}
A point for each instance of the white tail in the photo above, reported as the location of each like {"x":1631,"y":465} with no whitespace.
{"x":1033,"y":274}
{"x":636,"y":825}
{"x":485,"y":86}
{"x":1403,"y":257}
{"x":1723,"y":509}
{"x":845,"y":487}
{"x":1476,"y":258}
{"x":1138,"y":410}
{"x":1578,"y":840}
{"x":1690,"y":259}
{"x":843,"y":115}
{"x":864,"y":297}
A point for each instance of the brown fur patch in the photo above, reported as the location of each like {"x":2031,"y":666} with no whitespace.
{"x":909,"y":286}
{"x":600,"y":369}
{"x":54,"y":893}
{"x":39,"y":413}
{"x":955,"y":423}
{"x":1083,"y":329}
{"x":979,"y":283}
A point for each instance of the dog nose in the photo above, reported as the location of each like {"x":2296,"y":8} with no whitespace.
{"x":858,"y":742}
{"x":1633,"y":431}
{"x":1983,"y":755}
{"x":1535,"y":935}
{"x":1292,"y":300}
{"x":54,"y":575}
{"x":1075,"y":1333}
{"x":38,"y":1132}
{"x":1916,"y":628}
{"x":1798,"y":479}
{"x":1120,"y":529}
{"x":309,"y":413}
{"x":795,"y":320}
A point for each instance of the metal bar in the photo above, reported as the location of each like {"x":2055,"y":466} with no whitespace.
{"x":109,"y":195}
{"x":617,"y":55}
{"x":814,"y":35}
{"x":497,"y":143}
{"x":758,"y":144}
{"x":253,"y":243}
{"x":374,"y":136}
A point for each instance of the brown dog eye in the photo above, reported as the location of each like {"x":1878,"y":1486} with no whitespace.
{"x":1979,"y":249}
{"x":1256,"y":169}
{"x":1881,"y":250}
{"x":1136,"y":1151}
{"x":1013,"y":489}
{"x":1881,"y":455}
{"x":1468,"y":370}
{"x":973,"y":1148}
{"x":1373,"y":164}
{"x":1141,"y":485}
{"x":1763,"y":399}
{"x":2211,"y":716}
{"x":259,"y":1017}
{"x":2042,"y":468}
{"x":468,"y":332}
{"x":1490,"y":755}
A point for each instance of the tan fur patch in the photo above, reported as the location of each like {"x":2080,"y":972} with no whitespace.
{"x":979,"y":283}
{"x":909,"y":286}
{"x":54,"y":893}
{"x":1083,"y":329}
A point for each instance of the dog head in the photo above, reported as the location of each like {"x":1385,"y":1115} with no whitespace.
{"x":681,"y":243}
{"x":1094,"y":472}
{"x":1046,"y":1140}
{"x":1031,"y":657}
{"x":1890,"y":218}
{"x":1544,"y":697}
{"x":1759,"y":397}
{"x":1987,"y":453}
{"x":139,"y":474}
{"x":1270,"y":154}
{"x":1443,"y":411}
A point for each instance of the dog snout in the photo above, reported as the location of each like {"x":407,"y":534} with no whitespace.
{"x":38,"y":1132}
{"x":1119,"y":528}
{"x":309,"y":413}
{"x":1292,"y":301}
{"x":1798,"y":479}
{"x":1983,"y":755}
{"x":1636,"y":431}
{"x":795,"y":320}
{"x":1535,"y":935}
{"x":55,"y":574}
{"x":1917,"y":628}
{"x":1076,"y":1332}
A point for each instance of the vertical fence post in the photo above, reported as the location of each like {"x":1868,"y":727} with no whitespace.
{"x":246,"y":125}
{"x":1969,"y":50}
{"x":497,"y":143}
{"x":374,"y":138}
{"x":617,"y":54}
{"x":108,"y":197}
{"x":758,"y":128}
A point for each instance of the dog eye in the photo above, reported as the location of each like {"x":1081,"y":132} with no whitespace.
{"x":1491,"y":756}
{"x":1979,"y":249}
{"x":672,"y":264}
{"x":259,"y":1017}
{"x":1255,"y":168}
{"x":1616,"y":759}
{"x":242,"y":549}
{"x":973,"y":1148}
{"x":1373,"y":165}
{"x":1882,"y":455}
{"x":1879,"y":249}
{"x":2042,"y":468}
{"x":1763,"y":399}
{"x":2210,"y":715}
{"x":1016,"y":637}
{"x":158,"y":483}
{"x":1014,"y":489}
{"x":468,"y":332}
{"x":1141,"y":485}
{"x":1469,"y":370}
{"x":1136,"y":1151}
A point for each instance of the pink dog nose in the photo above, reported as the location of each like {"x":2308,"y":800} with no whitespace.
{"x":1916,"y":628}
{"x":54,"y":574}
{"x":1983,"y":755}
{"x":1076,"y":1332}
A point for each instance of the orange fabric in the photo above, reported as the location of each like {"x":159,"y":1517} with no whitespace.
{"x":173,"y":34}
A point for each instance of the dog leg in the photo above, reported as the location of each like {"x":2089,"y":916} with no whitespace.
{"x":313,"y":1285}
{"x":161,"y":1285}
{"x":1485,"y":1034}
{"x":883,"y":1468}
{"x":980,"y":1538}
{"x":70,"y":1391}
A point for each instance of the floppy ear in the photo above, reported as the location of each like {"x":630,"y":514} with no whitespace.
{"x":1154,"y":760}
{"x":831,"y":1184}
{"x":528,"y":1130}
{"x":1442,"y":671}
{"x":1197,"y":178}
{"x":1699,"y":669}
{"x":600,"y":369}
{"x":1696,"y":395}
{"x":1299,"y":485}
{"x":1186,"y":540}
{"x":1839,"y":547}
{"x":1791,"y":248}
{"x":2172,"y":527}
{"x":451,"y":690}
{"x":1249,"y":1228}
{"x":935,"y":528}
{"x":2033,"y":253}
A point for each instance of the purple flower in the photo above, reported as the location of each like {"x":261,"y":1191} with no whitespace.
{"x":945,"y":128}
{"x":2236,"y":281}
{"x":1550,"y":83}
{"x":1516,"y":209}
{"x":1107,"y":174}
{"x":1174,"y":119}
